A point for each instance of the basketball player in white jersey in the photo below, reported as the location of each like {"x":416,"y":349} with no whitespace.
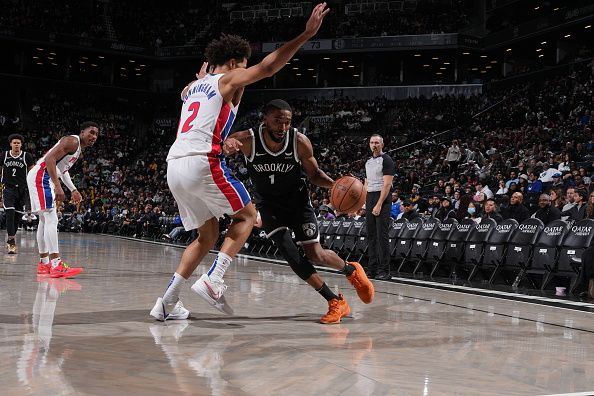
{"x":45,"y":192}
{"x":197,"y":174}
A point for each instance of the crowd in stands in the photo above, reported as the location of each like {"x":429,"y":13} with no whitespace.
{"x":158,"y":24}
{"x":537,"y":140}
{"x":52,"y":16}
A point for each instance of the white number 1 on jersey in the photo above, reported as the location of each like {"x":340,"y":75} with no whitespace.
{"x":271,"y":178}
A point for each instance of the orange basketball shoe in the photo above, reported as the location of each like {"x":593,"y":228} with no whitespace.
{"x":62,"y":270}
{"x":361,"y":283}
{"x":337,"y":309}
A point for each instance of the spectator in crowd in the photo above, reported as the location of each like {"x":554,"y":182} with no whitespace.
{"x":474,"y":211}
{"x":462,"y":211}
{"x":453,"y":157}
{"x":513,"y":179}
{"x":569,"y":199}
{"x":491,"y":211}
{"x":482,"y":187}
{"x":533,"y":190}
{"x":578,"y":211}
{"x":433,"y":205}
{"x":445,"y":211}
{"x":409,"y":212}
{"x":516,"y":210}
{"x":557,"y":198}
{"x":325,"y":213}
{"x":360,"y":214}
{"x":178,"y":229}
{"x":502,"y":190}
{"x":557,"y":182}
{"x":546,"y":176}
{"x":546,"y":212}
{"x":396,"y":205}
{"x":30,"y":221}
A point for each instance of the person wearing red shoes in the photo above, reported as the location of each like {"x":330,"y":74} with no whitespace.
{"x":279,"y":159}
{"x":45,"y":192}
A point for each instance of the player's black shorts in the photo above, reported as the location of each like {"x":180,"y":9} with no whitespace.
{"x":296,"y":215}
{"x":15,"y":198}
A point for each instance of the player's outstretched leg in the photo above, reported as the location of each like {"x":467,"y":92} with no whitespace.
{"x":337,"y":304}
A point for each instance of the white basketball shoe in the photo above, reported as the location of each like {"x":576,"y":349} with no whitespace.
{"x":212,"y":293}
{"x":162,"y":311}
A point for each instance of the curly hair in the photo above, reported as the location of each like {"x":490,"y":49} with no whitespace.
{"x":16,"y":136}
{"x":227,"y":47}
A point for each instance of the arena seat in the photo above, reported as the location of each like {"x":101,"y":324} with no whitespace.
{"x":350,"y":240}
{"x":438,"y":244}
{"x":405,"y":241}
{"x":341,"y":233}
{"x":577,"y":239}
{"x":546,"y":251}
{"x":454,"y":250}
{"x":520,"y":250}
{"x":496,"y":246}
{"x":421,"y":241}
{"x":475,"y":245}
{"x":331,"y":233}
{"x":395,"y":230}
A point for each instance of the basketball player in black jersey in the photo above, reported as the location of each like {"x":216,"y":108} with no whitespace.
{"x":279,"y":159}
{"x":15,"y":165}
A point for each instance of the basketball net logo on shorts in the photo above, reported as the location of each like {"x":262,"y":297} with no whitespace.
{"x":309,"y":229}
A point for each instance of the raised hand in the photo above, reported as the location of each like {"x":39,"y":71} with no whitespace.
{"x":203,"y":71}
{"x":315,"y":20}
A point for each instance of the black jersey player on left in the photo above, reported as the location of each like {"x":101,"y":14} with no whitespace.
{"x":15,"y":165}
{"x":278,"y":160}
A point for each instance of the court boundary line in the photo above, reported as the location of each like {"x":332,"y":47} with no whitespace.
{"x":497,"y":294}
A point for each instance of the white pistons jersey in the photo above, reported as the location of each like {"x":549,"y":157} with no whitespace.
{"x":205,"y":120}
{"x":66,"y":162}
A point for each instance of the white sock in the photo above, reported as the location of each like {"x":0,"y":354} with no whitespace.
{"x":55,"y":262}
{"x":172,"y":292}
{"x":44,"y":260}
{"x":219,"y":266}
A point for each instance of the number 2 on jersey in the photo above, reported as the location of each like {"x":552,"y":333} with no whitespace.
{"x":194,"y":107}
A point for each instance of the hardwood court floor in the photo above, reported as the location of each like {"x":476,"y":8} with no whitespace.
{"x":92,"y":335}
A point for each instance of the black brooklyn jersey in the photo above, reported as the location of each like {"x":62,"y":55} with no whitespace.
{"x":275,"y":175}
{"x":14,"y":169}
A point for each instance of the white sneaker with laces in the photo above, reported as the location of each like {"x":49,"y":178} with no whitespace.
{"x":212,"y":293}
{"x":162,"y":311}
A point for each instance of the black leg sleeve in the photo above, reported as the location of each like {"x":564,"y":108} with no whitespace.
{"x":299,"y":264}
{"x":11,"y":222}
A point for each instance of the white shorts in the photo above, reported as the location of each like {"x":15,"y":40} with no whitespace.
{"x":204,"y":187}
{"x":41,"y":189}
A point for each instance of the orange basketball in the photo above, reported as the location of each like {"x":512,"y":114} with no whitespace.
{"x":348,"y":194}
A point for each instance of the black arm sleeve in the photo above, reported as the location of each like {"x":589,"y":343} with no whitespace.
{"x":388,"y":168}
